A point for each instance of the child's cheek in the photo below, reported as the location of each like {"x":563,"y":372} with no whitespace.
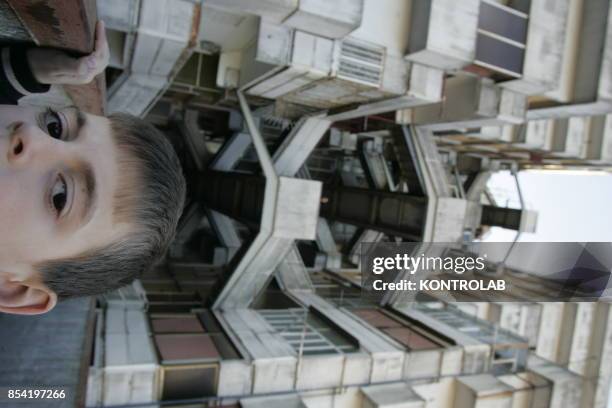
{"x":21,"y":222}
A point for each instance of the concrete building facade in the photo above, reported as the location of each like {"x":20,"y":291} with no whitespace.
{"x":309,"y":127}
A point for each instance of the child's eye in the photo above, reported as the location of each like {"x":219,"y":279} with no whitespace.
{"x":53,"y":124}
{"x":59,"y":194}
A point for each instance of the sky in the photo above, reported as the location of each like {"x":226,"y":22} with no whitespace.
{"x":572,"y":206}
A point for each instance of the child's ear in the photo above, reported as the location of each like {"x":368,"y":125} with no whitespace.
{"x":25,"y":297}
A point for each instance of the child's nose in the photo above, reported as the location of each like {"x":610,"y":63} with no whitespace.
{"x":23,"y":142}
{"x":16,"y":151}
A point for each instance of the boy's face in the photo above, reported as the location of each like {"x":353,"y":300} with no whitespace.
{"x":58,"y":174}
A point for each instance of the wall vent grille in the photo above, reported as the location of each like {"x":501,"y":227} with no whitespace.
{"x":361,"y":62}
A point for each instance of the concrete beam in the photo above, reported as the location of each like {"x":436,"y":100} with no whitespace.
{"x":325,"y":240}
{"x":470,"y":102}
{"x":424,"y":88}
{"x":297,"y":146}
{"x":289,"y":211}
{"x":543,"y":51}
{"x":478,"y":186}
{"x":566,"y":386}
{"x":292,"y":273}
{"x":231,"y":152}
{"x":166,"y":33}
{"x":195,"y":143}
{"x":273,"y":10}
{"x":443,"y":33}
{"x":226,"y":232}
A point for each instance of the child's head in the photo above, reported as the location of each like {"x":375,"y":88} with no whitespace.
{"x":87,"y":204}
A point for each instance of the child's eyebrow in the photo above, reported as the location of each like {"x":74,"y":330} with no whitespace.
{"x":84,"y":170}
{"x":81,"y":121}
{"x":86,"y":174}
{"x":90,"y":191}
